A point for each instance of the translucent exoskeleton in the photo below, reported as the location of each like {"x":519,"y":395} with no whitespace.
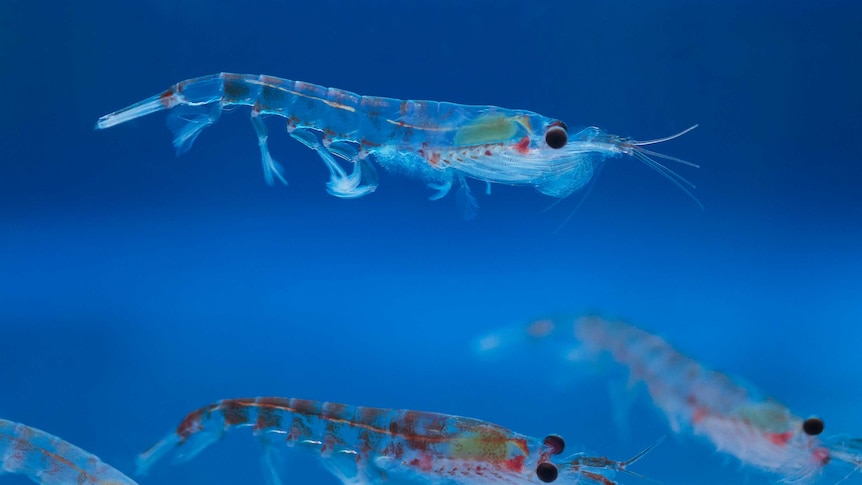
{"x":49,"y":460}
{"x":441,"y":143}
{"x":363,"y":445}
{"x":737,"y":418}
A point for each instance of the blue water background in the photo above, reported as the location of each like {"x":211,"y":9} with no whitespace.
{"x":135,"y":286}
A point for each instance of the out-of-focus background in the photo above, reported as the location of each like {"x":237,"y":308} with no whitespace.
{"x":136,"y":286}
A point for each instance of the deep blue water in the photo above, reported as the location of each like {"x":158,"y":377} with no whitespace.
{"x":135,"y":286}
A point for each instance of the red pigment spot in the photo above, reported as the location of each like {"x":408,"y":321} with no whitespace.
{"x":699,"y":414}
{"x":298,"y":429}
{"x":515,"y":464}
{"x":22,"y":447}
{"x":434,"y":160}
{"x":424,"y":462}
{"x":269,"y":412}
{"x":328,"y":445}
{"x":267,"y":418}
{"x":779,"y":439}
{"x":395,"y":450}
{"x":167,"y":98}
{"x":523,"y":146}
{"x":191,"y":423}
{"x":364,"y":445}
{"x":236,"y":411}
{"x":821,"y":455}
{"x":487,"y":153}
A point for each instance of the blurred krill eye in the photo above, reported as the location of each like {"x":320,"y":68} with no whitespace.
{"x":813,"y":426}
{"x":555,"y":443}
{"x":547,"y":472}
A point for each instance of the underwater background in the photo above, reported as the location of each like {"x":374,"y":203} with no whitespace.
{"x":136,"y":286}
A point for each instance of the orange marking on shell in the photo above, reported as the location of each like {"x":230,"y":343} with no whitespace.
{"x":271,"y":80}
{"x":343,"y":99}
{"x":309,"y":89}
{"x":273,"y":402}
{"x":521,"y":443}
{"x":305,"y":406}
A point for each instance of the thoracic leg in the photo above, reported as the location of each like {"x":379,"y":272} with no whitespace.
{"x":340,"y":183}
{"x":271,"y":168}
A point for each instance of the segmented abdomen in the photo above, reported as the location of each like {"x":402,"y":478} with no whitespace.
{"x":405,"y":440}
{"x":677,"y":384}
{"x":341,"y":115}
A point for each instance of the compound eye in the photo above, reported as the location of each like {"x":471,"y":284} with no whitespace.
{"x":557,"y":135}
{"x":813,"y":426}
{"x":555,"y":444}
{"x":547,"y":472}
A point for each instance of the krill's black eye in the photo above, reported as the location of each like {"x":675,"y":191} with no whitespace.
{"x":547,"y":472}
{"x":556,"y":136}
{"x":813,"y":426}
{"x":555,"y":443}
